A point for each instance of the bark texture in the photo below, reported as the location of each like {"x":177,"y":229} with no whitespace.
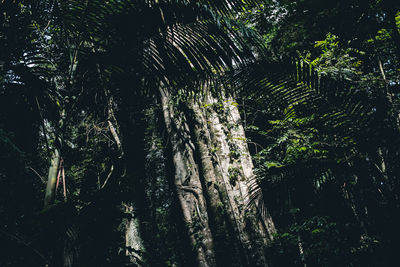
{"x":219,"y":128}
{"x":188,"y":184}
{"x":133,"y":242}
{"x":213,"y":169}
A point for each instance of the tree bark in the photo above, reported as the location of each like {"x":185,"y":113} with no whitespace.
{"x":213,"y":170}
{"x":188,"y":184}
{"x":130,"y":226}
{"x":233,"y":170}
{"x":52,"y":179}
{"x":134,"y":248}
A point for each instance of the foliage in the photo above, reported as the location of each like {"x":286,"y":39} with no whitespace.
{"x":325,"y":243}
{"x":319,"y":91}
{"x":322,"y":162}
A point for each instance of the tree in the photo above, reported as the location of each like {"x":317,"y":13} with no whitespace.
{"x":150,"y":126}
{"x":77,"y":51}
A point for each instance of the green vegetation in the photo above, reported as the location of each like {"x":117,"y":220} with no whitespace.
{"x":92,"y":155}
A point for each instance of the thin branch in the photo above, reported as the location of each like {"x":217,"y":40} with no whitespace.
{"x":38,"y":175}
{"x":108,"y":176}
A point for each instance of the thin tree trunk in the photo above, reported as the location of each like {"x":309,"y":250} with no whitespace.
{"x":52,"y":179}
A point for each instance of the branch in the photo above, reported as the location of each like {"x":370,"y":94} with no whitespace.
{"x":35,"y":172}
{"x":108,"y":176}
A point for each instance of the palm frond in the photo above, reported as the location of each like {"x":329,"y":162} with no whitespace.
{"x":173,"y":42}
{"x":343,"y":107}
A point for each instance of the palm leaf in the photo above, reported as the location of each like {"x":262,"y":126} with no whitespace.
{"x":344,"y":108}
{"x":171,"y":42}
{"x":343,"y":105}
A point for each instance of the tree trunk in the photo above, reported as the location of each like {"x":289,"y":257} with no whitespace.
{"x":52,"y":179}
{"x":222,"y":144}
{"x":188,"y":185}
{"x":213,"y":169}
{"x":134,"y":248}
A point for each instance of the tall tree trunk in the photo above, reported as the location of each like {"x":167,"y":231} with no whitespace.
{"x":223,"y":222}
{"x":220,"y":128}
{"x":213,"y":171}
{"x":134,"y":247}
{"x":188,"y":184}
